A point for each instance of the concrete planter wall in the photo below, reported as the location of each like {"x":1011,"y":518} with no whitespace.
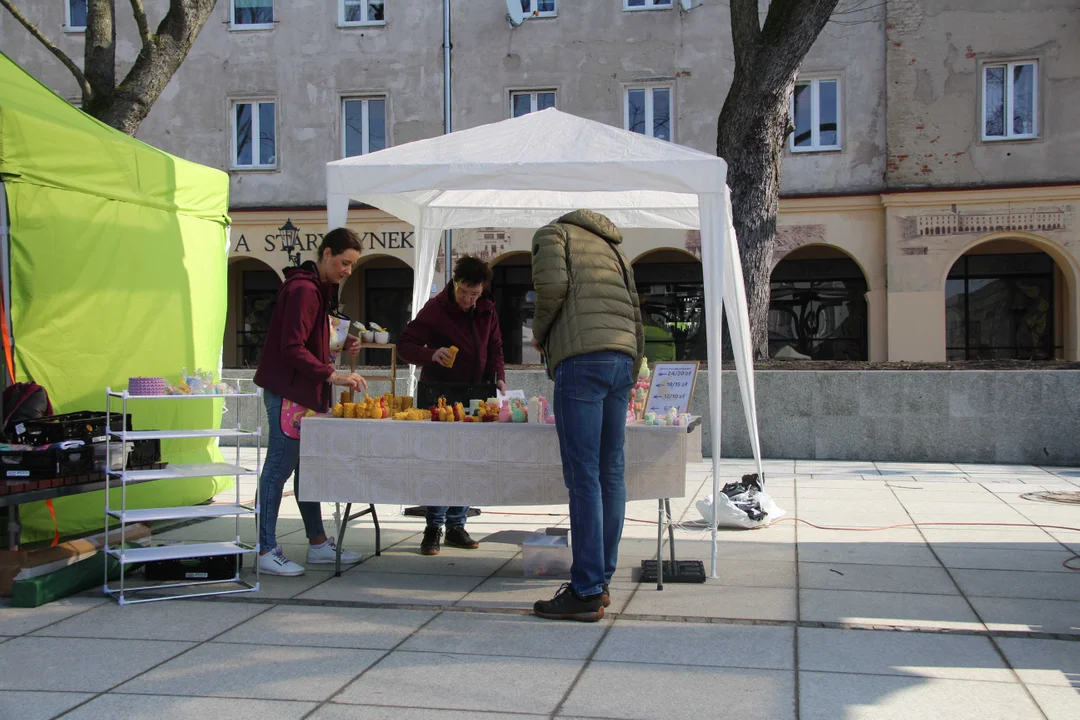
{"x":1016,"y":416}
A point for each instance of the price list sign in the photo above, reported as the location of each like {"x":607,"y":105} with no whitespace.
{"x":672,"y":386}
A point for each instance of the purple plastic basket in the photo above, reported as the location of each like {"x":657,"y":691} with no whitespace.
{"x":146,"y":386}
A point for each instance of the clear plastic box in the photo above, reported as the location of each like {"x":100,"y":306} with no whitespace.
{"x":546,"y":556}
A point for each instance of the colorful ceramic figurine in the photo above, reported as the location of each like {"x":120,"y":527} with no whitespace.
{"x":504,"y":412}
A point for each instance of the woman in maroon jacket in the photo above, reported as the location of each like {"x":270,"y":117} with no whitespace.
{"x":463,"y":316}
{"x":295,"y":366}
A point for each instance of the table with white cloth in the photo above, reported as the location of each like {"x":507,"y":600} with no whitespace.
{"x":470,"y":464}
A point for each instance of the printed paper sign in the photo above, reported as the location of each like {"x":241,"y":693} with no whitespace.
{"x":672,"y":386}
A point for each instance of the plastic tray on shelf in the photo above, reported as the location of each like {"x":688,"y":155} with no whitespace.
{"x":85,"y":425}
{"x":42,"y":463}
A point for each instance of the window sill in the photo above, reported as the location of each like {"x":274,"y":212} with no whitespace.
{"x":661,"y":8}
{"x":251,"y":28}
{"x":74,"y":30}
{"x":815,"y":151}
{"x":1013,"y":139}
{"x":368,"y":24}
{"x":254,"y":168}
{"x":552,"y":16}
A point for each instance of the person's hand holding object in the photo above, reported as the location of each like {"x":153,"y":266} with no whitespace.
{"x":350,"y":380}
{"x":442,"y":356}
{"x":352,"y":345}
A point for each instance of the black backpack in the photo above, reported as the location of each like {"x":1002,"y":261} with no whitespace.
{"x":22,"y":402}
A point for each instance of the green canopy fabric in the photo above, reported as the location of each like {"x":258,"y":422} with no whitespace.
{"x":119,"y":257}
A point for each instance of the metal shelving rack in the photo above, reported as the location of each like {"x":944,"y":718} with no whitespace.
{"x":124,"y":477}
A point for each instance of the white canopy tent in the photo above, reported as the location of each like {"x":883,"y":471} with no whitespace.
{"x":528,"y":171}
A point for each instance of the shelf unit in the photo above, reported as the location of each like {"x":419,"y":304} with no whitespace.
{"x":121,"y":479}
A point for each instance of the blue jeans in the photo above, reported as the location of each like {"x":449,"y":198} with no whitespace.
{"x":452,"y":516}
{"x":591,"y":396}
{"x":282,"y":460}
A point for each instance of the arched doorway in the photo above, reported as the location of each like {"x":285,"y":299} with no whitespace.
{"x":511,"y":284}
{"x":671,"y":290}
{"x":818,"y":309}
{"x":1005,"y":299}
{"x":380,"y":291}
{"x":252,"y":292}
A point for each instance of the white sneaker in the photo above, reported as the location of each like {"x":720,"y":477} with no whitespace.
{"x":275,"y":563}
{"x":325,"y":554}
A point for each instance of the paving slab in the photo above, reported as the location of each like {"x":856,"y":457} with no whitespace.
{"x":1014,"y":584}
{"x":17,"y":621}
{"x":254,"y":671}
{"x":890,"y":609}
{"x":334,"y":711}
{"x":881,"y":578}
{"x":29,"y":705}
{"x":714,"y":601}
{"x":906,"y":654}
{"x":396,"y":588}
{"x":680,"y":692}
{"x":828,"y":696}
{"x":868,"y":553}
{"x":30,"y":663}
{"x":1043,"y":662}
{"x":464,"y":682}
{"x":1049,"y":560}
{"x":482,"y":562}
{"x":357,"y":628}
{"x":699,"y":644}
{"x":1057,"y":703}
{"x":1014,"y":614}
{"x":167,"y":707}
{"x":510,"y":635}
{"x":180,"y":620}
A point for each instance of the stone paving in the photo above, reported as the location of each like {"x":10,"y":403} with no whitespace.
{"x":936,"y":621}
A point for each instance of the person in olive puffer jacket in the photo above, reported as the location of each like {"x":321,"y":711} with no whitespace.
{"x":588,"y":325}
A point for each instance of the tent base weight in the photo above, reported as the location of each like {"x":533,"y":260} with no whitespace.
{"x":682,"y":571}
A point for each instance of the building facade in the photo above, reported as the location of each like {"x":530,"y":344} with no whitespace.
{"x":929,"y":193}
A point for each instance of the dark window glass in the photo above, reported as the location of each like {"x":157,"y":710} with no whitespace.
{"x":818,"y":309}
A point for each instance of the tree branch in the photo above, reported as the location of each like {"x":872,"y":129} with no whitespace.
{"x":99,"y":54}
{"x":745,"y":31}
{"x":144,"y":27}
{"x":84,"y":85}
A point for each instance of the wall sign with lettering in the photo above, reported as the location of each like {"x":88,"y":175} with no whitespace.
{"x":672,"y":386}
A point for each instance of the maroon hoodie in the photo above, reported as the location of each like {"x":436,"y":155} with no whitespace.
{"x":442,"y":323}
{"x":295,"y":362}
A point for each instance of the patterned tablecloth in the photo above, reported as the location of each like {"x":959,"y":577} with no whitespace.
{"x":428,"y":463}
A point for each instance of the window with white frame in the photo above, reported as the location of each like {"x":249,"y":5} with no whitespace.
{"x":539,"y":8}
{"x":648,"y":111}
{"x":1010,"y":106}
{"x":361,"y":12}
{"x":815,"y":113}
{"x":252,"y":14}
{"x":524,"y":102}
{"x":647,"y":4}
{"x":75,"y":15}
{"x":363,"y":125}
{"x":254,"y":134}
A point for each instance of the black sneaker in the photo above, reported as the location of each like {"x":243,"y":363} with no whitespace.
{"x":605,"y":597}
{"x":566,"y":605}
{"x":458,"y":536}
{"x":430,"y":544}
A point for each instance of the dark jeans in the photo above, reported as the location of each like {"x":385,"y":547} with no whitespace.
{"x":591,"y":396}
{"x":451,"y":516}
{"x":282,"y":460}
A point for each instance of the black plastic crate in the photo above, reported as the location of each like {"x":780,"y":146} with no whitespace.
{"x":42,"y":463}
{"x":85,"y":425}
{"x":144,"y":452}
{"x":214,"y":567}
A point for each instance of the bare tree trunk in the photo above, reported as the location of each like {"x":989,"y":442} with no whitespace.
{"x":125,"y":105}
{"x":752,"y":127}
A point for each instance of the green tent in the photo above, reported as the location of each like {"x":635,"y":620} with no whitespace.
{"x":115,"y":262}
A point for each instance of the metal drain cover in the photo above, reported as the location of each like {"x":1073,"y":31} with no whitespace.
{"x":1065,"y":497}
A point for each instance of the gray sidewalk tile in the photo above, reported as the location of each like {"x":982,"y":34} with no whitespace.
{"x":678,"y":692}
{"x":254,"y":671}
{"x":881,"y":578}
{"x":513,"y":635}
{"x":906,"y":654}
{"x":187,"y":621}
{"x":464,"y":682}
{"x":879,"y":608}
{"x":828,"y":696}
{"x":397,"y":588}
{"x":29,"y":705}
{"x":361,"y":712}
{"x":165,"y":707}
{"x":1012,"y":584}
{"x":17,"y":621}
{"x":714,"y":602}
{"x":278,"y":587}
{"x":328,"y":627}
{"x":761,"y":647}
{"x":479,"y":563}
{"x":868,"y":552}
{"x":1057,"y":702}
{"x":1012,"y":614}
{"x":1043,"y":662}
{"x":519,"y":593}
{"x":30,"y":663}
{"x":1049,"y":560}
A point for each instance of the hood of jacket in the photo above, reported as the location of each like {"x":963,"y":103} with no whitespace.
{"x":594,"y":222}
{"x":484,"y":305}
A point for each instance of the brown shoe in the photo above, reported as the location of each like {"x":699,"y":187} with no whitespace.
{"x":605,"y":597}
{"x":432,"y":537}
{"x":458,"y":537}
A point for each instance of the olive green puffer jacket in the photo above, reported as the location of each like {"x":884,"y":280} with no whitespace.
{"x":586,"y":299}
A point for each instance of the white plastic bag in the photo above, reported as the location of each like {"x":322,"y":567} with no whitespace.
{"x":743,"y":508}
